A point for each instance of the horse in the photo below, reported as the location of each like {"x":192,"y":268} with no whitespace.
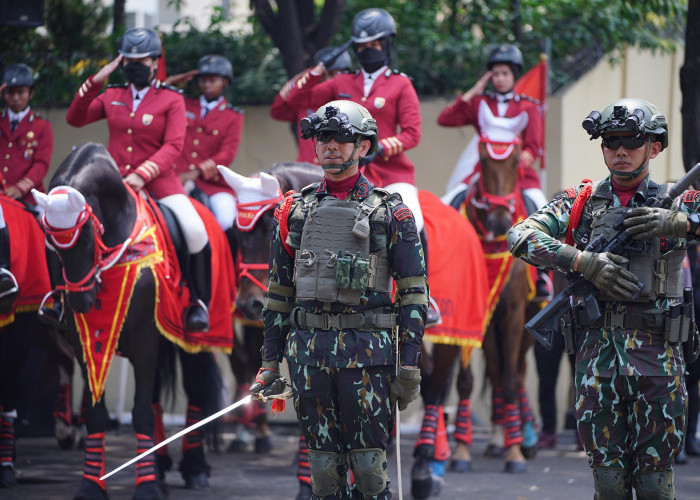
{"x":110,"y":246}
{"x":493,"y":202}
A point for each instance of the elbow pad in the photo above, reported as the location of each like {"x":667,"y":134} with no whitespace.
{"x":519,"y":233}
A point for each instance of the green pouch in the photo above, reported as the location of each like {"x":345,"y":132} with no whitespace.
{"x":360,"y":274}
{"x":343,"y":270}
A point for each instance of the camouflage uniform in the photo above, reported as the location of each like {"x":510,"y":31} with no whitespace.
{"x":341,"y":377}
{"x":630,"y":391}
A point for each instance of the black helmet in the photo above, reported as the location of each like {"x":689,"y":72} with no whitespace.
{"x":141,"y":42}
{"x":18,"y":75}
{"x":342,"y":63}
{"x":506,"y":54}
{"x":214,"y":64}
{"x":372,"y":24}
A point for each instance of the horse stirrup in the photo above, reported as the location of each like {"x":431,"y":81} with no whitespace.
{"x":52,"y":315}
{"x":14,"y":289}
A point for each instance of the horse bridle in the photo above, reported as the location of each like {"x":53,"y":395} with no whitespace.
{"x":488,"y":202}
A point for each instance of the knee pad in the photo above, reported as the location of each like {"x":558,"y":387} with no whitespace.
{"x":327,"y":472}
{"x":657,"y":485}
{"x":612,"y":484}
{"x":369,"y":467}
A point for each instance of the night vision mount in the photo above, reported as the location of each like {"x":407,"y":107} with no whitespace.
{"x":332,"y":120}
{"x":621,"y":119}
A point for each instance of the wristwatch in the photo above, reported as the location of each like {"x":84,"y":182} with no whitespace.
{"x":694,"y":220}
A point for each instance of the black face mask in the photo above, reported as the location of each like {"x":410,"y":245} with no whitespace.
{"x":137,"y":73}
{"x":371,"y":59}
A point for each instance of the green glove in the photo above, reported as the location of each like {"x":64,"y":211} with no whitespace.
{"x":405,"y":387}
{"x":268,"y":381}
{"x":606,"y":272}
{"x":646,"y":222}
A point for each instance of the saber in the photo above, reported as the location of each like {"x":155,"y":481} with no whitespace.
{"x":180,"y":434}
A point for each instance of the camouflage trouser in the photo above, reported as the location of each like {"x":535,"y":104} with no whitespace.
{"x":631,"y":422}
{"x":343,"y":409}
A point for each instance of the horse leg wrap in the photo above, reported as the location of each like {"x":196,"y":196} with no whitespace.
{"x":514,"y":434}
{"x":328,"y":472}
{"x":498,"y":416}
{"x":7,"y":438}
{"x":428,"y":431}
{"x":525,"y":410}
{"x":442,"y":445}
{"x":192,"y":439}
{"x":612,"y":484}
{"x":146,"y":467}
{"x":656,"y":485}
{"x":63,"y":410}
{"x":369,"y":467}
{"x":303,"y":473}
{"x":95,"y":459}
{"x":463,"y":424}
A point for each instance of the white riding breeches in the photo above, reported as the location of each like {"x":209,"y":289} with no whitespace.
{"x":191,"y":224}
{"x":536,"y":196}
{"x":224,"y":207}
{"x":409,"y":194}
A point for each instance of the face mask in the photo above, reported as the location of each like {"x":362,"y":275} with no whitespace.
{"x":137,"y":73}
{"x":371,"y":59}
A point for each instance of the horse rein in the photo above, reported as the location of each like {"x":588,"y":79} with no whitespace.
{"x":480,"y":199}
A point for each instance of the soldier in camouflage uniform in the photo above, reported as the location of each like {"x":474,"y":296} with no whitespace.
{"x":337,"y":248}
{"x":630,"y":390}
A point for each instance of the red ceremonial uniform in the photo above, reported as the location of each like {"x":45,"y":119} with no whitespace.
{"x":392,"y":101}
{"x":147,"y":141}
{"x":282,"y":110}
{"x":215,"y":137}
{"x":25,"y":153}
{"x":460,"y":112}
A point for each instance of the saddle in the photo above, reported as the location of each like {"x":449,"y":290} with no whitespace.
{"x":176,"y":236}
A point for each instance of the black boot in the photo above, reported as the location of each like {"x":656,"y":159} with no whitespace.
{"x":433,"y":316}
{"x":197,"y":313}
{"x":8,"y":283}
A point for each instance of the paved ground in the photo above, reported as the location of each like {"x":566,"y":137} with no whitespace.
{"x":563,"y":473}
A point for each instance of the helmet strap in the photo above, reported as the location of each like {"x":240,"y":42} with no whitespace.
{"x":345,"y":165}
{"x":634,"y":173}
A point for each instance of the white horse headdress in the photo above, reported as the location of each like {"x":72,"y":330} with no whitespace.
{"x":254,"y":195}
{"x":500,"y":134}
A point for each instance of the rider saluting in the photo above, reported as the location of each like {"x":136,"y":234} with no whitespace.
{"x":337,"y":248}
{"x":146,"y":121}
{"x":629,"y":364}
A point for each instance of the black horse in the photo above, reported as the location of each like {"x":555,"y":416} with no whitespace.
{"x":90,"y":171}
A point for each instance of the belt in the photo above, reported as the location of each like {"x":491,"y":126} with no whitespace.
{"x":653,"y":323}
{"x":367,"y":320}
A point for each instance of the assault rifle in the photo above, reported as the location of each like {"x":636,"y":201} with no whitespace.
{"x":556,"y":316}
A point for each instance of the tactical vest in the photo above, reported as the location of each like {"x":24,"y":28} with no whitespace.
{"x":661,"y":273}
{"x":337,"y":257}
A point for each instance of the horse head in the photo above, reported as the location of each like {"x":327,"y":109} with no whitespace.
{"x":87,"y":212}
{"x":256,"y":197}
{"x":497,"y":197}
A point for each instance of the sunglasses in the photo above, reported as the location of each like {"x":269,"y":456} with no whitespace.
{"x":327,"y":135}
{"x":626,"y":141}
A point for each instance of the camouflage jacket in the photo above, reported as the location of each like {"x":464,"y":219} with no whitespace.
{"x":605,"y":351}
{"x":347,"y":348}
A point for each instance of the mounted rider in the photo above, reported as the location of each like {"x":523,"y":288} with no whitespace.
{"x":630,"y":387}
{"x":337,"y":248}
{"x":147,"y":124}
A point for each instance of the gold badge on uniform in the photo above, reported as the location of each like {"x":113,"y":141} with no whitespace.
{"x":379,"y":102}
{"x":146,"y":119}
{"x":30,"y":134}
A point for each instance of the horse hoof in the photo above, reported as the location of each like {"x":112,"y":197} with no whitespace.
{"x":148,"y":491}
{"x":421,"y":479}
{"x":263,"y":445}
{"x":494,"y":451}
{"x":90,"y":490}
{"x":529,"y":452}
{"x":196,"y":481}
{"x":237,"y":446}
{"x":460,"y":465}
{"x":7,"y":477}
{"x":304,"y":492}
{"x":438,"y":484}
{"x":513,"y":467}
{"x":426,"y":451}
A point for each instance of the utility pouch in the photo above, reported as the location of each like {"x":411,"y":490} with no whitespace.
{"x":360,"y":274}
{"x":672,"y":326}
{"x":343,"y":271}
{"x":568,"y":331}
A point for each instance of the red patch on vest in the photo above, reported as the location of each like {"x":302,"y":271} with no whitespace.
{"x":690,"y":196}
{"x":403,"y":213}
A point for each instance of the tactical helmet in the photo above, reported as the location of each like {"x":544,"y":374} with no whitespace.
{"x":372,"y":24}
{"x":628,"y":115}
{"x":141,"y":42}
{"x":346,"y":117}
{"x":343,"y":62}
{"x":214,"y":64}
{"x":506,"y":54}
{"x":18,"y":75}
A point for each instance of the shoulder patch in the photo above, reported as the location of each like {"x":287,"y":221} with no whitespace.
{"x":235,"y":109}
{"x":691,"y":196}
{"x":117,"y":85}
{"x":403,"y":213}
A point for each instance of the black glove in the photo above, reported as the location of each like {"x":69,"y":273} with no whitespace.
{"x":268,"y":381}
{"x":405,"y":387}
{"x":333,"y":55}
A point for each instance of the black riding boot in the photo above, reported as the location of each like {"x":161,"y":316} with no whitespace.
{"x":433,"y":317}
{"x":8,"y":284}
{"x":197,"y":313}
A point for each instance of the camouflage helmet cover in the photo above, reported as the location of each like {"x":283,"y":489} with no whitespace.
{"x":140,"y":42}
